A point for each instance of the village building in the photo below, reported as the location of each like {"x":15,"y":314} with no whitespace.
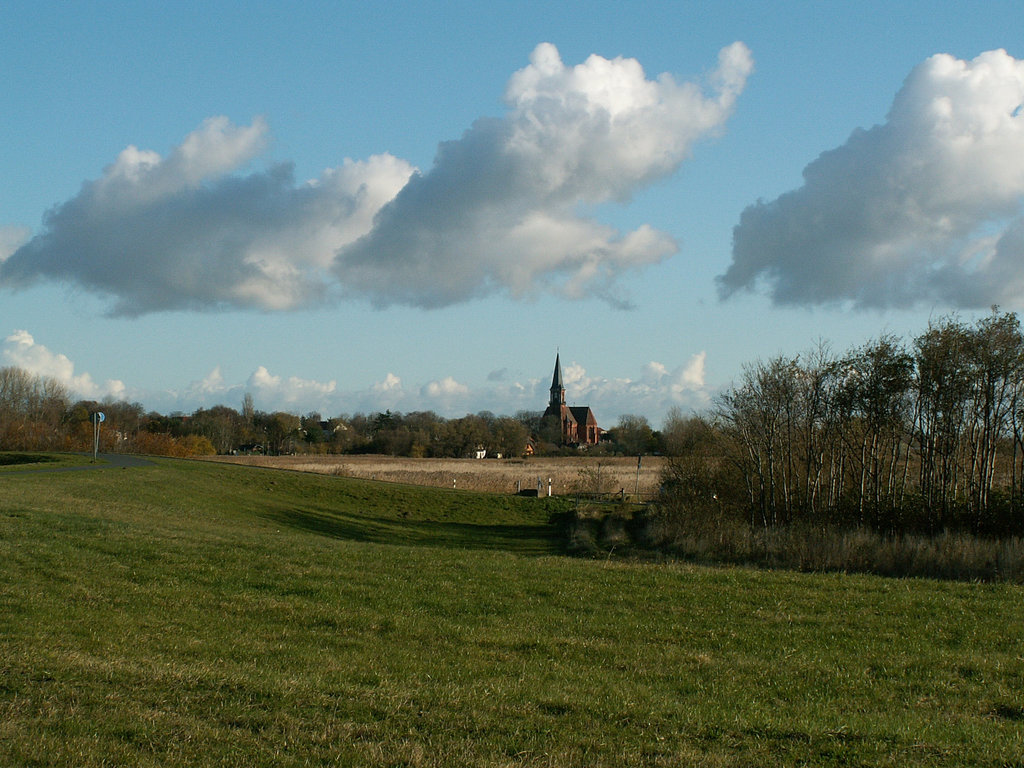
{"x":578,"y":423}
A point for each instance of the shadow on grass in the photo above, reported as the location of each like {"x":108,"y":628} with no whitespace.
{"x":519,"y":539}
{"x":17,"y":459}
{"x":11,"y":463}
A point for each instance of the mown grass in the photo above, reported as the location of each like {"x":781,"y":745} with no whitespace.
{"x":195,"y":614}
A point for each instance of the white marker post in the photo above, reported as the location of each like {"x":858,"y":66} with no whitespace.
{"x":97,"y":419}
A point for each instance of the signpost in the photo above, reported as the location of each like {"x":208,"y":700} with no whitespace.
{"x":97,"y":419}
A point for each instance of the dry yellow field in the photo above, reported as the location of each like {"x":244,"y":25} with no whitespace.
{"x":606,"y":474}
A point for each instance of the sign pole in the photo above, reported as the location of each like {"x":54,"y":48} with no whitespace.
{"x":97,"y":419}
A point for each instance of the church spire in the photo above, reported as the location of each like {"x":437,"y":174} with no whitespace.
{"x":557,"y":389}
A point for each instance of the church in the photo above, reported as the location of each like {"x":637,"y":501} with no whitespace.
{"x":578,"y":423}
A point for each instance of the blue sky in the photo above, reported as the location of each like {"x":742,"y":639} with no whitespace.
{"x":345,"y":207}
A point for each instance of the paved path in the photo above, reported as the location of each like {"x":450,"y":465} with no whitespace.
{"x":108,"y":461}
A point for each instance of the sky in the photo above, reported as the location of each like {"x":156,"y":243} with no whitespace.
{"x":344,"y":208}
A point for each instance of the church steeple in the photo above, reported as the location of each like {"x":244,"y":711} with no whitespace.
{"x":577,"y":424}
{"x":557,"y":398}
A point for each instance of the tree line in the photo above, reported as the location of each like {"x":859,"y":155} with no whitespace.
{"x":37,"y":413}
{"x":894,"y":437}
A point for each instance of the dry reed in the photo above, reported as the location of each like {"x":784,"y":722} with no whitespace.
{"x":568,"y":475}
{"x":948,"y":555}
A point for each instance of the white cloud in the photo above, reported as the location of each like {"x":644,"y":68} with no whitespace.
{"x":387,"y":394}
{"x":180,"y":233}
{"x":21,"y":350}
{"x":654,"y":372}
{"x":139,"y":177}
{"x":391,"y":383}
{"x":689,"y":380}
{"x":213,"y":383}
{"x":11,"y":238}
{"x":212,"y":389}
{"x":924,"y":208}
{"x":654,"y":391}
{"x":445,"y":388}
{"x":270,"y":392}
{"x":498,"y":211}
{"x":291,"y":392}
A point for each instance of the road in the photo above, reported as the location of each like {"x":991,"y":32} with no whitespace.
{"x":109,"y":461}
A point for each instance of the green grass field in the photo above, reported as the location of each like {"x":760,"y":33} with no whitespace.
{"x":194,"y":614}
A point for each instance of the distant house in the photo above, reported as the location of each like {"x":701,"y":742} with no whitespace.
{"x":578,"y":423}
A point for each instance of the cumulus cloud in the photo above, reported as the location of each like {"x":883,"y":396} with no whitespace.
{"x":444,"y":389}
{"x":181,"y":232}
{"x":390,"y":383}
{"x":387,"y":394}
{"x":21,"y":351}
{"x":925,"y":207}
{"x":498,"y":211}
{"x":655,"y":390}
{"x":290,"y":391}
{"x":212,"y":384}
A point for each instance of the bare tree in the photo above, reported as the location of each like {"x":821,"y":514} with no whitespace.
{"x":31,"y":410}
{"x":997,"y":365}
{"x":633,"y":434}
{"x":877,"y":394}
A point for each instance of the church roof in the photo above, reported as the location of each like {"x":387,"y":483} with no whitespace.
{"x":583,"y":415}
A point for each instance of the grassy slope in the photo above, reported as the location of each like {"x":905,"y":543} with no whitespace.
{"x":194,"y":614}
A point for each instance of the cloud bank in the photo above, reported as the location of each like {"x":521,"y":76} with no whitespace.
{"x":923,"y":208}
{"x":653,"y":391}
{"x":497,"y":212}
{"x":20,"y":350}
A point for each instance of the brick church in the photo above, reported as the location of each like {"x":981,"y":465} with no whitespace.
{"x":579,"y":425}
